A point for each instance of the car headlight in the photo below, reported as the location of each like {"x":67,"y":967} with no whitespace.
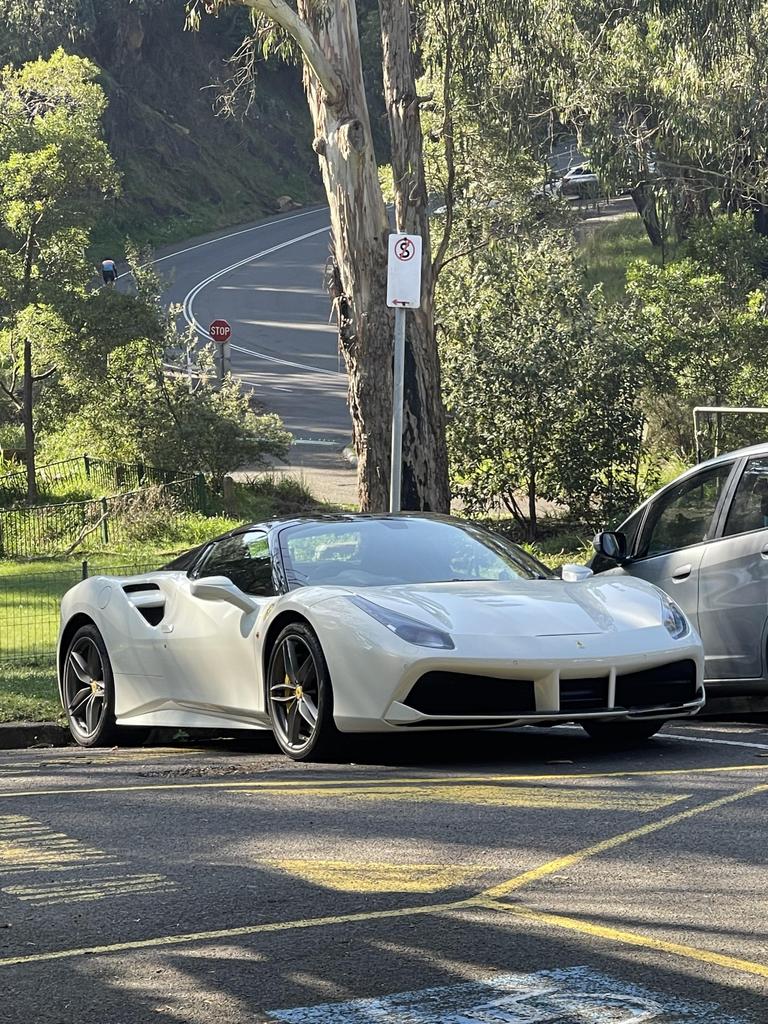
{"x":674,"y":620}
{"x":403,"y":626}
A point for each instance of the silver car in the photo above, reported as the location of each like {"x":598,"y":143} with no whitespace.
{"x":704,"y":540}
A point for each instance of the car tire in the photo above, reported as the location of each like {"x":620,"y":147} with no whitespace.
{"x":299,"y":696}
{"x":621,"y":734}
{"x":91,"y":716}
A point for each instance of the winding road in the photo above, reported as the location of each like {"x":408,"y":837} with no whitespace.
{"x":267,"y":280}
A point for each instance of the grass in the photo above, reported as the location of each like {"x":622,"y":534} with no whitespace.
{"x":28,"y":693}
{"x":607,"y":251}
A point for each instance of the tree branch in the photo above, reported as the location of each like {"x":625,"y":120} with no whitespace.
{"x":44,"y":376}
{"x":11,"y":394}
{"x":448,"y":143}
{"x":281,"y":14}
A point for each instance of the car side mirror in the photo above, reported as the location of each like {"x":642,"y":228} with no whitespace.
{"x":611,"y":545}
{"x":219,"y":588}
{"x":574,"y":573}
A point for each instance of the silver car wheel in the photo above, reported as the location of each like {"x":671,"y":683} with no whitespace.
{"x":294,"y":693}
{"x":85,"y":696}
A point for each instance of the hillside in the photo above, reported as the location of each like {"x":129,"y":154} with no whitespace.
{"x":184,"y":169}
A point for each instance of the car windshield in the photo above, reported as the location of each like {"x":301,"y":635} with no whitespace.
{"x":390,"y":552}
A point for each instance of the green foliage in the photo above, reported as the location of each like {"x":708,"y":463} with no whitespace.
{"x":705,"y":321}
{"x":541,"y":381}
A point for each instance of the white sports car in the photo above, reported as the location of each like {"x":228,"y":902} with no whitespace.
{"x":354,"y":623}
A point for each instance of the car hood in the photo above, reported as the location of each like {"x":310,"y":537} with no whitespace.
{"x":526,"y":607}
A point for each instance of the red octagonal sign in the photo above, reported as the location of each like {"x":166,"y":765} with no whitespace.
{"x":220,"y":331}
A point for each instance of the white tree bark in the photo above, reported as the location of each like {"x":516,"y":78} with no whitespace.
{"x":333,"y":78}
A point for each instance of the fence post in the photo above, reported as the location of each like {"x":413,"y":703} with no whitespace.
{"x":104,"y":521}
{"x":2,"y":541}
{"x":87,"y":465}
{"x":141,"y":470}
{"x":84,"y":569}
{"x":201,"y":492}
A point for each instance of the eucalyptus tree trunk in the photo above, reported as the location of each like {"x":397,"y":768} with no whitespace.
{"x":327,"y":34}
{"x":425,"y":462}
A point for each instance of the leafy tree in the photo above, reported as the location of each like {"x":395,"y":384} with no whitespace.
{"x":54,"y":171}
{"x":131,"y":409}
{"x":705,"y":320}
{"x":541,"y":380}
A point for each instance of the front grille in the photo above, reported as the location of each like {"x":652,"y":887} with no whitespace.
{"x":458,"y":693}
{"x":583,"y":694}
{"x":668,"y":684}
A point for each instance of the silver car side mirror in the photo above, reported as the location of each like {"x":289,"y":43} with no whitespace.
{"x":575,"y":573}
{"x":219,"y":588}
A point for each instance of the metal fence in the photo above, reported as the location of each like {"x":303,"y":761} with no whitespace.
{"x":100,"y":475}
{"x":42,"y":530}
{"x":29,"y":607}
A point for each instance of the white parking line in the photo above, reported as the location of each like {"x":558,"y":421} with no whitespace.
{"x":725,"y":743}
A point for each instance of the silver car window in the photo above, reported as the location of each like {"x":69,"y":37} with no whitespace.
{"x":684,"y":514}
{"x":749,"y":509}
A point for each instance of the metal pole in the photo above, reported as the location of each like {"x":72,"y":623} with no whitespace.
{"x":226,"y":359}
{"x":396,"y":461}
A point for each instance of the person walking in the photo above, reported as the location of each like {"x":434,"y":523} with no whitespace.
{"x":109,"y":271}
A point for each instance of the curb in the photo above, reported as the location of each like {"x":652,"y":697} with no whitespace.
{"x":16,"y":735}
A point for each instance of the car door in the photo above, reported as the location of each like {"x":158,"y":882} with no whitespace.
{"x":733,"y":586}
{"x":210,"y":650}
{"x":675,"y":533}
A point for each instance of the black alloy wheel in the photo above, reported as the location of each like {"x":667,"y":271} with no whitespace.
{"x":88,"y":690}
{"x":299,"y":695}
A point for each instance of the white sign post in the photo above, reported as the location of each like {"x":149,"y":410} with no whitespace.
{"x":403,"y":292}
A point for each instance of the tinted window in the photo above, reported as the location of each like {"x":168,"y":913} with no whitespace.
{"x":749,"y":510}
{"x":683,"y":515}
{"x":244,"y":559}
{"x":381,"y":552}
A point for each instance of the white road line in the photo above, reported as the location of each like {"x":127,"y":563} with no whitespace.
{"x":192,"y":294}
{"x":702,"y":739}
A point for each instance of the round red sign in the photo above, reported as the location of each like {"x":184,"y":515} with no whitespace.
{"x":220,"y":331}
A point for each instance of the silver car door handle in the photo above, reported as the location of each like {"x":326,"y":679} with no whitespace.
{"x":682,"y":573}
{"x":166,"y":627}
{"x":764,"y":551}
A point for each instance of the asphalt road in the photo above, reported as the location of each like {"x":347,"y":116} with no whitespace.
{"x":267,"y":281}
{"x":502,"y":877}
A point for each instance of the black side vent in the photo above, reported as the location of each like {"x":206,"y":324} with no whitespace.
{"x":457,"y":693}
{"x":153,"y":614}
{"x":139,"y":588}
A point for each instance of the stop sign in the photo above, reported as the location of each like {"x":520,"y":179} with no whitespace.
{"x":220,"y":331}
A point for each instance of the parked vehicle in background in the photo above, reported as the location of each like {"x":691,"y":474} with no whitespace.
{"x":704,"y":540}
{"x":354,"y":623}
{"x":580,"y":181}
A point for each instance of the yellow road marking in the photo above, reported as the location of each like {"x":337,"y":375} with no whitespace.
{"x":562,"y":863}
{"x":534,"y":797}
{"x":229,"y":933}
{"x":82,"y":890}
{"x":483,"y":899}
{"x":357,"y":876}
{"x":26,"y":844}
{"x":632,"y":939}
{"x":287,"y":784}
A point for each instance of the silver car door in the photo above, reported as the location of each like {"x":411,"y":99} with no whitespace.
{"x":733,"y":587}
{"x":677,"y":529}
{"x":211,"y":646}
